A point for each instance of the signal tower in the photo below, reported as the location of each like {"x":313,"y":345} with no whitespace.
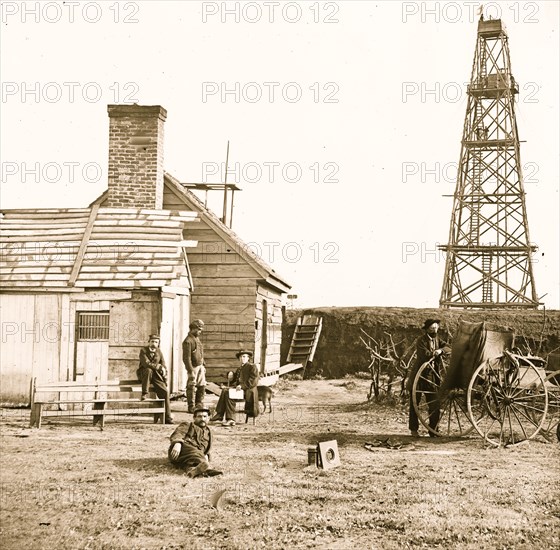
{"x":488,"y":255}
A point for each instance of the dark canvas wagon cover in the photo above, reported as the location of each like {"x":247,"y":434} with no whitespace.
{"x":473,"y":344}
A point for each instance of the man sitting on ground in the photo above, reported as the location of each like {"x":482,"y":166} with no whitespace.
{"x":191,"y":443}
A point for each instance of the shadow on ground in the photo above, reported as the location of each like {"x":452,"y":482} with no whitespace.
{"x":145,"y":464}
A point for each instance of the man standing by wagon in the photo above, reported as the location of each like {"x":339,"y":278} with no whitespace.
{"x":428,"y":346}
{"x":193,"y":358}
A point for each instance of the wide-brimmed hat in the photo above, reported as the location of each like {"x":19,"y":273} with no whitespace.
{"x":197,"y":323}
{"x":243,"y":352}
{"x":200,"y":407}
{"x":429,"y":322}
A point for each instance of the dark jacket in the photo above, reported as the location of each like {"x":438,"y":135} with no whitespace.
{"x":151,"y":359}
{"x":248,"y":376}
{"x":193,"y":352}
{"x":188,"y":433}
{"x":424,"y":352}
{"x":248,"y":380}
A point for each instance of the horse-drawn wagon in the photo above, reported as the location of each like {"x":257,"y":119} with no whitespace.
{"x":486,"y":387}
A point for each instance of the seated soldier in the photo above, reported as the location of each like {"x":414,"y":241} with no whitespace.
{"x":152,"y":371}
{"x":245,"y":379}
{"x":191,"y":443}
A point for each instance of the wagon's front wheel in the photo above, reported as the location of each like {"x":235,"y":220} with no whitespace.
{"x":507,"y":403}
{"x":440,"y":412}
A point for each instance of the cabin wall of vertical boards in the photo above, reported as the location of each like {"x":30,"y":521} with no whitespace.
{"x":86,"y":336}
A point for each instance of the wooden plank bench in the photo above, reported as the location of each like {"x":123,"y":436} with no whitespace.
{"x":99,"y":406}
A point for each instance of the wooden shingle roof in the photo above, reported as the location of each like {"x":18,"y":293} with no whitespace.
{"x":93,"y":247}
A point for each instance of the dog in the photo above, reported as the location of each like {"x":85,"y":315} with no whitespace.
{"x":265,"y":396}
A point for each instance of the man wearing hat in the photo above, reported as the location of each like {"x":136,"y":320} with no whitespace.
{"x":190,"y":445}
{"x":428,"y":346}
{"x":152,"y":371}
{"x":193,"y":358}
{"x":246,"y":379}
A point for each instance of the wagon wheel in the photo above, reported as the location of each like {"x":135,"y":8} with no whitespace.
{"x":448,"y":409}
{"x":507,"y":403}
{"x":551,"y":426}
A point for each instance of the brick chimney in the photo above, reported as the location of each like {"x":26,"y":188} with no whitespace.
{"x":136,"y":156}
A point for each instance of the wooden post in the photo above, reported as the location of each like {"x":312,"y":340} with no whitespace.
{"x":32,"y":387}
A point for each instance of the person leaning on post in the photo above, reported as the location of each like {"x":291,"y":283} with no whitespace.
{"x":191,"y":443}
{"x":152,"y":370}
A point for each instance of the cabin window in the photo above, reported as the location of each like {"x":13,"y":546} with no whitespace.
{"x":93,"y":326}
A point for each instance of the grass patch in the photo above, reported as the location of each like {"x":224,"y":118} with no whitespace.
{"x":74,"y":486}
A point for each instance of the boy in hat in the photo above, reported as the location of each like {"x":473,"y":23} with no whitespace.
{"x":193,"y":358}
{"x":428,"y":346}
{"x":191,"y":443}
{"x":152,"y":370}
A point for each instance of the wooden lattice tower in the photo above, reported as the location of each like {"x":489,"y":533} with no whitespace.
{"x":489,"y":252}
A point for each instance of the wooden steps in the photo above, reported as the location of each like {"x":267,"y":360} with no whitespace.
{"x":305,"y":339}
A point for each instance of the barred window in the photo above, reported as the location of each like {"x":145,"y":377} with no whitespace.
{"x":93,"y":326}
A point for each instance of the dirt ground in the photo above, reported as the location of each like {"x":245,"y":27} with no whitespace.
{"x":72,"y":486}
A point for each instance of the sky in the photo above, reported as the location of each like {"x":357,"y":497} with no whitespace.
{"x":344,"y":121}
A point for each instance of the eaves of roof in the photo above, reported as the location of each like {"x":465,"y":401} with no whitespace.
{"x":267,"y":273}
{"x":93,"y":247}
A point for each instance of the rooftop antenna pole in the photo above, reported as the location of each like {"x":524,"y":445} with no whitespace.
{"x":224,"y":213}
{"x":231,"y":208}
